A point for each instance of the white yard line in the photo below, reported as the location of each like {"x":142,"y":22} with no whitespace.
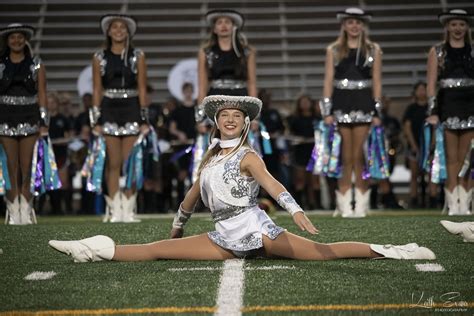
{"x":429,"y":267}
{"x":39,"y":275}
{"x":231,"y":288}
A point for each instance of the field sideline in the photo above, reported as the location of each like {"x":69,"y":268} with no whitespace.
{"x":281,"y":287}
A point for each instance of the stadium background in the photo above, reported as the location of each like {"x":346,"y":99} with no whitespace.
{"x":290,"y":37}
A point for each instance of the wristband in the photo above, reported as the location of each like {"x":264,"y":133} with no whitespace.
{"x":432,"y":105}
{"x":94,"y":115}
{"x":379,"y":108}
{"x":287,"y":202}
{"x":325,"y":106}
{"x":44,"y":116}
{"x":145,"y":115}
{"x":181,"y":217}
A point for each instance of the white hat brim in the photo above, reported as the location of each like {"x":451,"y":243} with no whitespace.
{"x":235,"y":17}
{"x":249,"y":105}
{"x":107,"y":20}
{"x":363,"y":17}
{"x":445,"y":18}
{"x":24,"y":29}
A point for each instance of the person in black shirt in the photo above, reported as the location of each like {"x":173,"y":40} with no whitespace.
{"x":392,"y":131}
{"x":81,"y":122}
{"x":82,"y":130}
{"x":413,"y":121}
{"x":157,"y":179}
{"x":302,"y":123}
{"x":23,"y":116}
{"x":273,"y":122}
{"x":183,"y":128}
{"x":59,"y":134}
{"x":182,"y":122}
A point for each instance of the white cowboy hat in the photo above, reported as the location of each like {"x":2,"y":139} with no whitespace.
{"x":455,"y":14}
{"x":107,"y":19}
{"x":249,"y":105}
{"x":235,"y":16}
{"x":27,"y":30}
{"x":354,"y":13}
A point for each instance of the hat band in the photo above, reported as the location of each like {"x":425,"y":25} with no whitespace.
{"x":17,"y":100}
{"x":228,"y":84}
{"x":120,"y":93}
{"x":346,"y":84}
{"x":456,"y":83}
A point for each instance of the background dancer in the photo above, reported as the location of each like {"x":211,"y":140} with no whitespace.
{"x":352,"y":98}
{"x":24,"y":116}
{"x":119,"y":78}
{"x":451,"y":67}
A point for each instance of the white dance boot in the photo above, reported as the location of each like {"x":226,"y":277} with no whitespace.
{"x":92,"y":249}
{"x":465,"y":200}
{"x":451,"y":202}
{"x":362,"y":201}
{"x":404,"y":252}
{"x":27,"y":212}
{"x":113,"y":209}
{"x":343,"y":204}
{"x":464,"y":229}
{"x":12,"y":216}
{"x":129,"y":209}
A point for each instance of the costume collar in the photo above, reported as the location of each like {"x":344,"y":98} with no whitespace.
{"x":228,"y":143}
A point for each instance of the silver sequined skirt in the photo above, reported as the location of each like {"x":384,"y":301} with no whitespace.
{"x":120,"y":117}
{"x":19,"y":120}
{"x":242,"y":234}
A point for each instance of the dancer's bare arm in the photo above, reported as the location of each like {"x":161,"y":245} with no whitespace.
{"x":431,"y":81}
{"x":252,"y":165}
{"x":328,"y":81}
{"x":377,"y":81}
{"x":251,"y":74}
{"x":202,"y":76}
{"x":192,"y":196}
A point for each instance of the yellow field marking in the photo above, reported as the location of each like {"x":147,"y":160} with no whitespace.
{"x":248,"y":309}
{"x":368,"y":307}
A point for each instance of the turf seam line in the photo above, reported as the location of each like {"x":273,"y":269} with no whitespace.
{"x":231,"y":288}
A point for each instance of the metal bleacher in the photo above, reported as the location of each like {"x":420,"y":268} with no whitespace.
{"x":290,"y":37}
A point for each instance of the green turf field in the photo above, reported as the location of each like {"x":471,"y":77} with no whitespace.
{"x":282,"y":287}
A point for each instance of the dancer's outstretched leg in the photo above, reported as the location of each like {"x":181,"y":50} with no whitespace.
{"x":100,"y":248}
{"x":292,"y":246}
{"x":198,"y":247}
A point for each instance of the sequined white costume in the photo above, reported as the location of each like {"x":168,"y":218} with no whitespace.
{"x":232,"y":199}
